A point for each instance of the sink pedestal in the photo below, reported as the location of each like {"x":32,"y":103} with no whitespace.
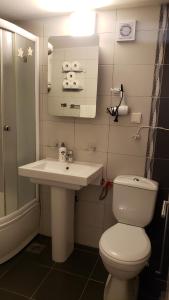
{"x":62,"y":221}
{"x":64,"y":178}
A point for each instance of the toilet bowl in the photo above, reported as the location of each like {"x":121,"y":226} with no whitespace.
{"x":125,"y":247}
{"x":124,"y":250}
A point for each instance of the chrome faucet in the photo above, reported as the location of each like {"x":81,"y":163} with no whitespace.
{"x":69,"y":156}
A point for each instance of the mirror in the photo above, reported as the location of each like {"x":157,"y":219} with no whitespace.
{"x":72,"y":76}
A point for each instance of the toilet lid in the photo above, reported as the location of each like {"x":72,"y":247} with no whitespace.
{"x":125,"y":243}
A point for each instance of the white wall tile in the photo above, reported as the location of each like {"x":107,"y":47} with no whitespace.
{"x":121,"y":141}
{"x":106,"y":48}
{"x":127,"y":63}
{"x":90,"y":193}
{"x":87,"y":134}
{"x":45,"y":224}
{"x":58,"y":132}
{"x":43,"y":79}
{"x":136,"y":105}
{"x":44,"y":51}
{"x":44,"y":109}
{"x":92,"y":156}
{"x":109,"y":219}
{"x":137,"y":79}
{"x":105,"y":77}
{"x":125,"y":164}
{"x":33,"y":26}
{"x":88,"y":235}
{"x":52,"y":151}
{"x":141,"y":51}
{"x":89,"y":214}
{"x":147,"y":17}
{"x":56,"y":26}
{"x":106,"y":21}
{"x":41,"y":51}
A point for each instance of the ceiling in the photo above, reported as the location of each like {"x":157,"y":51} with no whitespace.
{"x":29,"y":9}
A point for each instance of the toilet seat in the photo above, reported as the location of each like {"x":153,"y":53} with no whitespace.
{"x":125,"y":244}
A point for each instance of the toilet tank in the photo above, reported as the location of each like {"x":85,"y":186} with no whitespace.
{"x":134,"y":199}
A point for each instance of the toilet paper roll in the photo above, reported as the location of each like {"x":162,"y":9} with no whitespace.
{"x":75,"y":84}
{"x":66,"y":84}
{"x":76,"y":66}
{"x":71,"y":75}
{"x":66,"y":66}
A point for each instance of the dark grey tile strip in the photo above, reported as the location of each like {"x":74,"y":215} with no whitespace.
{"x":14,"y":293}
{"x":42,"y":281}
{"x":161,"y":43}
{"x":88,"y":279}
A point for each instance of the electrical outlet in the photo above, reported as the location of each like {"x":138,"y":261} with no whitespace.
{"x":136,"y":118}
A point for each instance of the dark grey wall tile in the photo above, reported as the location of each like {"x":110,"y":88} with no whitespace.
{"x":161,"y":172}
{"x":162,"y":145}
{"x":165,"y":85}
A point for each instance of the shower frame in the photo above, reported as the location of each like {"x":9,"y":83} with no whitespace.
{"x":19,"y":227}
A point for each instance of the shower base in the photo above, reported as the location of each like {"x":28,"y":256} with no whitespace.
{"x":17,"y":229}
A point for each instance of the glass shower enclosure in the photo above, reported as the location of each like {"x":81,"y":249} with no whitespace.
{"x":19,"y":206}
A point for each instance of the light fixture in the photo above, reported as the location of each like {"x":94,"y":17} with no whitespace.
{"x":82,"y":23}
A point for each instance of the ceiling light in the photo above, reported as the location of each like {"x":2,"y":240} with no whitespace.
{"x":82,"y":23}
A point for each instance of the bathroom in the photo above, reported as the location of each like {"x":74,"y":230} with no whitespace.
{"x":133,"y":70}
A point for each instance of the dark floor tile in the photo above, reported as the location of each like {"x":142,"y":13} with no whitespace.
{"x":87,"y":248}
{"x":40,"y":252}
{"x":93,"y":291}
{"x":5,"y":295}
{"x":43,"y":240}
{"x":10,"y":263}
{"x":99,"y":273}
{"x":80,"y":263}
{"x":61,"y":286}
{"x":151,"y":287}
{"x":24,"y":277}
{"x":145,"y":297}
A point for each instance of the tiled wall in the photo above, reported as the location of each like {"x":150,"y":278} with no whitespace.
{"x":130,"y":63}
{"x":157,"y":166}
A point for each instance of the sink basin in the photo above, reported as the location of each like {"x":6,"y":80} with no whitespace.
{"x":64,"y":178}
{"x":69,"y":175}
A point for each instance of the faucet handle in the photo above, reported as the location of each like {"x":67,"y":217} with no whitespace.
{"x":70,"y":155}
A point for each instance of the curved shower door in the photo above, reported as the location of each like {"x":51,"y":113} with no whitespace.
{"x":25,"y":114}
{"x":17,"y":118}
{"x":8,"y":122}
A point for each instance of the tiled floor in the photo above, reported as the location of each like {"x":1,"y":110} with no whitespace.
{"x":33,"y":275}
{"x":151,"y":287}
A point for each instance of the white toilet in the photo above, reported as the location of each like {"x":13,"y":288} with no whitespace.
{"x":125,"y":247}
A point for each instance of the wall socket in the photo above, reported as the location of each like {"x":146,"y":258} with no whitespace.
{"x":136,"y":118}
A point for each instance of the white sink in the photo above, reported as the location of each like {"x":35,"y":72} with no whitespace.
{"x":64,"y":178}
{"x":69,"y":175}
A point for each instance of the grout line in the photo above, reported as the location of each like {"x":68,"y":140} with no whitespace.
{"x":13,"y":292}
{"x":12,"y":266}
{"x":69,"y":273}
{"x":40,"y":284}
{"x":98,"y":281}
{"x":88,"y":279}
{"x":85,"y":250}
